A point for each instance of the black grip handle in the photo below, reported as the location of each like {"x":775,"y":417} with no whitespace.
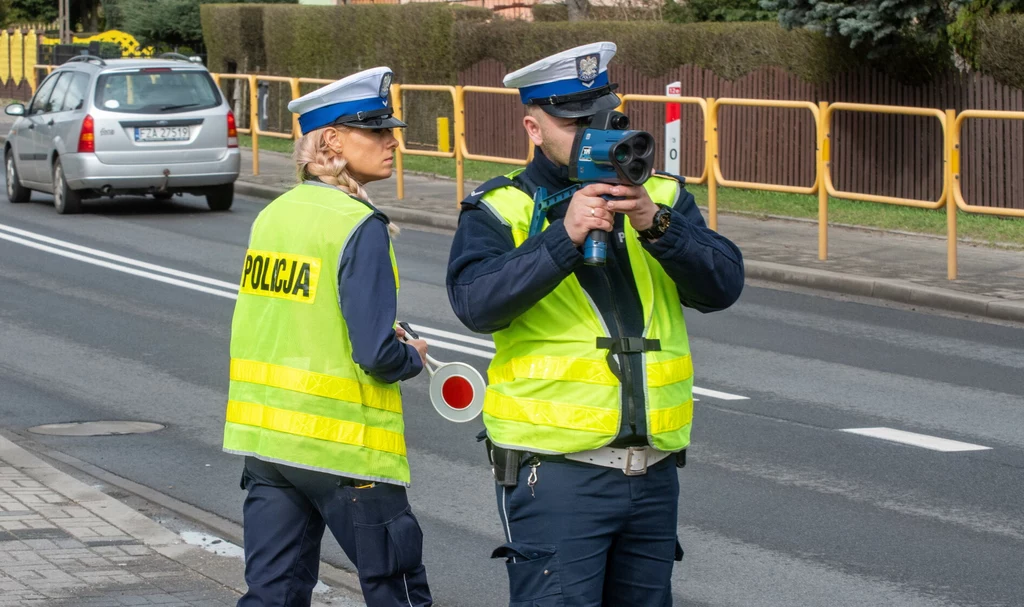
{"x":408,"y":330}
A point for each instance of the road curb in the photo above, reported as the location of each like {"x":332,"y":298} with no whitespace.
{"x":900,"y":291}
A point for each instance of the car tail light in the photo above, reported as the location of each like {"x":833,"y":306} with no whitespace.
{"x":232,"y":131}
{"x":87,"y":137}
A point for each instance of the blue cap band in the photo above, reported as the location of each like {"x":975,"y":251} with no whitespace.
{"x":560,"y":87}
{"x":324,"y":116}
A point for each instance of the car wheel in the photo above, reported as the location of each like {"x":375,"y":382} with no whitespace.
{"x":219,"y":198}
{"x":15,"y":191}
{"x":65,"y":200}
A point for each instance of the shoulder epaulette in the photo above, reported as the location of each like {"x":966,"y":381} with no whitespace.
{"x":498,"y":182}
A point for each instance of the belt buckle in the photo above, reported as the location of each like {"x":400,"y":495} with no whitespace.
{"x":632,"y":452}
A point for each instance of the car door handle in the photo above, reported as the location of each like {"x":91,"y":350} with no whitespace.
{"x":31,"y":126}
{"x":49,"y":122}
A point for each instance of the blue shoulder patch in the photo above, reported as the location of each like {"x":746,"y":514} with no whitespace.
{"x":498,"y":182}
{"x":678,"y":178}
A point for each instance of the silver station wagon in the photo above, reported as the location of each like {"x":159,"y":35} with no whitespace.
{"x":113,"y":127}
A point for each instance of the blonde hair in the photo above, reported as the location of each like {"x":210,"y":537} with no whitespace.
{"x":315,"y":160}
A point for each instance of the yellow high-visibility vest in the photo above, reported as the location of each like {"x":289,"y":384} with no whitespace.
{"x":296,"y":396}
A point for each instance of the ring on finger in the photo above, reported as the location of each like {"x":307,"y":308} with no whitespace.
{"x":593,"y":211}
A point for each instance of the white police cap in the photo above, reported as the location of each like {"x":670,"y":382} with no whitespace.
{"x":359,"y":100}
{"x":571,"y":84}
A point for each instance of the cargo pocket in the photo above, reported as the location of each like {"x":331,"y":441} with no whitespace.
{"x":533,"y":575}
{"x":390,"y":548}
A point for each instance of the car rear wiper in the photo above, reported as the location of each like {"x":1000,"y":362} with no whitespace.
{"x":177,"y":107}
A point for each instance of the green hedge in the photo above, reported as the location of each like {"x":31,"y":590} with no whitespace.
{"x":1001,"y":48}
{"x":559,"y":12}
{"x":416,"y":41}
{"x":728,"y":49}
{"x":432,"y":43}
{"x":233,"y":33}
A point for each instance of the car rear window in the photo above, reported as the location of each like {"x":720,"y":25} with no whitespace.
{"x":156,"y":91}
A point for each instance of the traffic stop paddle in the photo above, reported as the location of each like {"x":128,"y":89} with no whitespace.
{"x":456,"y":389}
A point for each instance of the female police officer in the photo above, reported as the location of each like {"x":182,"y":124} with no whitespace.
{"x":314,"y":403}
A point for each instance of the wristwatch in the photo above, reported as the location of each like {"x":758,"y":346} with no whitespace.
{"x":662,"y":219}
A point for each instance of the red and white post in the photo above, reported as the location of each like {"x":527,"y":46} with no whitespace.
{"x":673,"y":114}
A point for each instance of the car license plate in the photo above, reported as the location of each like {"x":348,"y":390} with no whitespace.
{"x":162,"y":133}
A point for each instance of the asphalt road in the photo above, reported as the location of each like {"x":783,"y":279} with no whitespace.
{"x":779,"y":506}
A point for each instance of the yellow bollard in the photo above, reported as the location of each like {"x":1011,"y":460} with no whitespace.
{"x":443,"y":140}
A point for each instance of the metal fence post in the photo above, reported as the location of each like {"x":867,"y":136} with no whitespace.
{"x":951,"y":174}
{"x":296,"y":93}
{"x":460,"y":140}
{"x":711,"y":140}
{"x":254,"y":126}
{"x":824,"y":139}
{"x":396,"y":102}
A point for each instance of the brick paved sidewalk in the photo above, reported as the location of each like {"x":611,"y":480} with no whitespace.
{"x":64,"y":543}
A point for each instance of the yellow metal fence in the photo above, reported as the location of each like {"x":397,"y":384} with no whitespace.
{"x":950,"y":199}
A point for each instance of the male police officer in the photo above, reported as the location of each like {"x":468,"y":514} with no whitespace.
{"x":589,"y":405}
{"x":314,"y":401}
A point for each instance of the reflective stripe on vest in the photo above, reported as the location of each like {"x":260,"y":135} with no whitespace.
{"x":551,"y":389}
{"x":296,"y":396}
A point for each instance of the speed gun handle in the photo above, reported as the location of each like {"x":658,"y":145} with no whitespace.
{"x":595,"y":247}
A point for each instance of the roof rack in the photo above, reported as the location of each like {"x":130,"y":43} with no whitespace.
{"x":180,"y":57}
{"x":87,"y":58}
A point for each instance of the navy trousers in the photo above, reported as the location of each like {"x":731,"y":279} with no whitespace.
{"x":589,"y":536}
{"x":285,"y":513}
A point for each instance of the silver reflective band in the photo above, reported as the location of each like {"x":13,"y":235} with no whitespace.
{"x":633,"y":461}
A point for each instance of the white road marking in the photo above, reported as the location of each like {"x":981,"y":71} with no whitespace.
{"x":118,"y":258}
{"x":918,"y":440}
{"x":118,"y":268}
{"x":444,"y":345}
{"x":450,"y":335}
{"x":718,"y":395}
{"x":164,"y":274}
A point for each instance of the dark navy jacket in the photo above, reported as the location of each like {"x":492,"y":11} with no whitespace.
{"x":369,"y":303}
{"x":491,"y":282}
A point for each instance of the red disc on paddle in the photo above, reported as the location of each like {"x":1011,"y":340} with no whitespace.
{"x":457,"y":392}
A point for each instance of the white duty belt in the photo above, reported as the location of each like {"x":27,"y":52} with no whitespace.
{"x":633,"y":461}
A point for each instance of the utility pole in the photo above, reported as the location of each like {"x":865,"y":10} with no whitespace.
{"x":63,"y":10}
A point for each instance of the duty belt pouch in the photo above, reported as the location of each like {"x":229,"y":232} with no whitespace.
{"x":506,"y":465}
{"x":504,"y":462}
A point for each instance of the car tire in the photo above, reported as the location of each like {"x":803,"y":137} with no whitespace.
{"x":15,"y":191}
{"x":219,"y":198}
{"x":65,"y":200}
